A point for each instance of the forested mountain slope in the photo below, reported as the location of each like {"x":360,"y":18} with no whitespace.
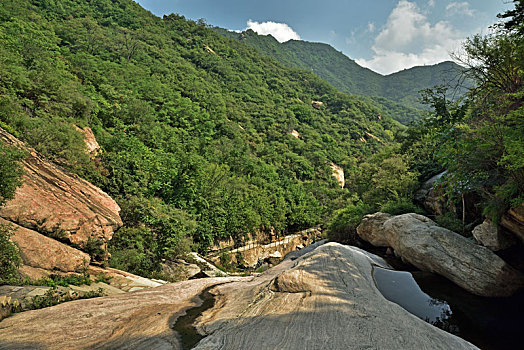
{"x":195,"y":128}
{"x":401,"y":88}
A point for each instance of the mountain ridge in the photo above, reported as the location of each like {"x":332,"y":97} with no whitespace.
{"x":401,"y":88}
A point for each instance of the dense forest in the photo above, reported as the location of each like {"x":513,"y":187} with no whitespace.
{"x":398,"y":92}
{"x":196,"y":128}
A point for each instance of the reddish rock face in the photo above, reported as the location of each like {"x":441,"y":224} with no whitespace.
{"x":41,"y":252}
{"x":59,"y":204}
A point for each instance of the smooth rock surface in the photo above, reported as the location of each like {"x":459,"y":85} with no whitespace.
{"x":59,"y":204}
{"x":323,"y":299}
{"x":41,"y":252}
{"x":372,"y":229}
{"x":139,"y":320}
{"x":419,"y":241}
{"x":326,"y":299}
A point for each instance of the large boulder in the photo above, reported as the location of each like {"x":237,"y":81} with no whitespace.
{"x":372,"y":229}
{"x":490,"y":236}
{"x":41,"y":252}
{"x":179,"y":269}
{"x":325,"y":298}
{"x":429,"y":247}
{"x":59,"y":204}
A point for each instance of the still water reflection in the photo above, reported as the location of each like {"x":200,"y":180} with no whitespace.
{"x":489,"y":323}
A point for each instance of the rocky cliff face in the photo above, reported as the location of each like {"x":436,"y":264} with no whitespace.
{"x":323,"y":298}
{"x":58,"y":204}
{"x":40,"y":252}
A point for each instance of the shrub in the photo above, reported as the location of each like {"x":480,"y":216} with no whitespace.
{"x":152,"y":231}
{"x":342,"y":227}
{"x":9,"y":257}
{"x":11,"y":171}
{"x":94,"y":248}
{"x":400,"y":206}
{"x":63,"y":281}
{"x":451,"y":222}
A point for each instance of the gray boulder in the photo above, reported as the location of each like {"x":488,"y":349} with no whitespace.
{"x":371,"y":229}
{"x":419,"y":241}
{"x":492,"y":237}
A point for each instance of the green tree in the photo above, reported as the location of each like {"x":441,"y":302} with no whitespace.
{"x":11,"y":171}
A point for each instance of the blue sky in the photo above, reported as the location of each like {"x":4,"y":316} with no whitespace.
{"x":386,"y":36}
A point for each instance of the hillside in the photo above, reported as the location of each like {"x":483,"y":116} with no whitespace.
{"x":398,"y":92}
{"x":195,"y":129}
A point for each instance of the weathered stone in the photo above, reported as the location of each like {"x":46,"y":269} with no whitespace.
{"x":210,"y":270}
{"x":59,"y":204}
{"x":39,"y":251}
{"x":89,"y":138}
{"x":274,"y":258}
{"x":317,"y":104}
{"x":491,"y":237}
{"x":419,"y":241}
{"x":513,"y":221}
{"x":327,"y":294}
{"x":338,"y":174}
{"x":371,"y":229}
{"x":251,"y":255}
{"x":295,"y":134}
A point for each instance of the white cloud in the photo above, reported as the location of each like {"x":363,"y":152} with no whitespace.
{"x":431,"y":3}
{"x":459,"y":8}
{"x":408,"y":39}
{"x":280,"y":31}
{"x":371,"y":27}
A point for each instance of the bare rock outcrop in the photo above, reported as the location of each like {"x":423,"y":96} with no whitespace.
{"x":325,"y":298}
{"x":41,"y":252}
{"x":338,"y":174}
{"x":59,"y":204}
{"x":317,"y":104}
{"x":89,"y":138}
{"x":419,"y":240}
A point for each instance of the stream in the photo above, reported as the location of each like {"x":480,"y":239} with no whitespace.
{"x":489,"y":323}
{"x":184,"y":325}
